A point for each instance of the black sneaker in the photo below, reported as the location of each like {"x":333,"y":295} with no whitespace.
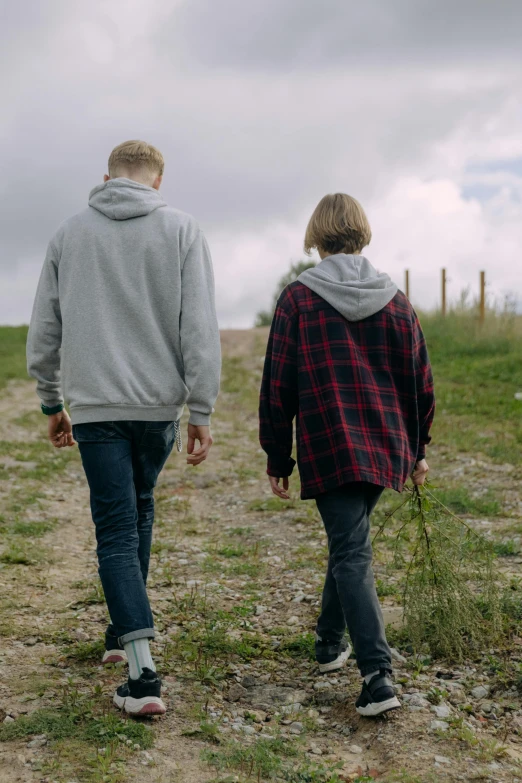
{"x":114,"y":652}
{"x":141,"y":697}
{"x":331,"y":655}
{"x":377,"y":696}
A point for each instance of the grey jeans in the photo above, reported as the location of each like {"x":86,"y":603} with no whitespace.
{"x":349,"y":594}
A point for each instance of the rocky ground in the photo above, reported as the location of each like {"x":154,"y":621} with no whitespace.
{"x":235,"y":584}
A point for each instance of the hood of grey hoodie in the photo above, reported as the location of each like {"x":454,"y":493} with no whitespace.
{"x":121,"y":199}
{"x":351,"y":285}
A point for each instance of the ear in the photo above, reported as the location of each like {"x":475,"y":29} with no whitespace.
{"x":157,"y":183}
{"x":106,"y":178}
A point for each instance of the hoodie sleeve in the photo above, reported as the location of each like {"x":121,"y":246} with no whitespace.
{"x":425,"y":391}
{"x":279,"y":397}
{"x":45,"y":334}
{"x":199,"y":332}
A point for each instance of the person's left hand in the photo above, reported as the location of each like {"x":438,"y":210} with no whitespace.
{"x":60,"y":430}
{"x":281,"y":492}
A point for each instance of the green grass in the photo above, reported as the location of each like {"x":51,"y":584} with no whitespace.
{"x":506,"y":548}
{"x":271,"y":759}
{"x":15,"y":554}
{"x":477,"y":372}
{"x":271,"y":504}
{"x":299,"y":646}
{"x":12,"y":353}
{"x":78,"y":716}
{"x":32,"y":529}
{"x":458,"y":500}
{"x":87,"y":651}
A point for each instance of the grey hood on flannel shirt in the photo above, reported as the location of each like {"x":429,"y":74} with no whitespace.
{"x":351,"y":285}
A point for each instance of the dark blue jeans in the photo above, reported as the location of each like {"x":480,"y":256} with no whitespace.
{"x":349,"y":594}
{"x":122,"y":461}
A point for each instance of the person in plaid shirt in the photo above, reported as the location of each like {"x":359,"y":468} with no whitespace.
{"x":346,"y":358}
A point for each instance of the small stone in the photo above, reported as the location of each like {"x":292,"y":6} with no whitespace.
{"x":323,"y":698}
{"x":442,"y":760}
{"x":8,"y":719}
{"x":296,"y":728}
{"x":81,"y":635}
{"x":417,"y":700}
{"x":294,"y":620}
{"x":355,"y":749}
{"x":288,"y":709}
{"x":257,"y":716}
{"x":38,"y":742}
{"x":441,"y":710}
{"x":183,"y":562}
{"x":248,"y":730}
{"x":236,"y":692}
{"x":299,"y":598}
{"x":267,"y":695}
{"x":316,"y":750}
{"x":438,"y":725}
{"x":260,"y":610}
{"x":480,"y":691}
{"x":322,"y":685}
{"x":248,"y":681}
{"x":396,"y":654}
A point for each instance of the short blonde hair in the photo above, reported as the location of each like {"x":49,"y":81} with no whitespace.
{"x":133,"y":155}
{"x":338,"y":225}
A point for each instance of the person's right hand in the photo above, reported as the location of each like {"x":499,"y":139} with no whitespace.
{"x":201,"y":434}
{"x":59,"y":430}
{"x":281,"y":492}
{"x":420,"y":472}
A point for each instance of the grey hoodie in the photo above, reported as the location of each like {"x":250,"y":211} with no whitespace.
{"x":351,"y":285}
{"x":124,"y":323}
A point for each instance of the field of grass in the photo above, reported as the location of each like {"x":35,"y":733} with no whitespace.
{"x":477,"y":372}
{"x":12,"y":353}
{"x":236,"y":576}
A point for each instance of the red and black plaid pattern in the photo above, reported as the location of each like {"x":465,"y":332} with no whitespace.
{"x":361,"y":393}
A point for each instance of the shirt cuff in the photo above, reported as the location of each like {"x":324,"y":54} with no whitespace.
{"x":199,"y":419}
{"x":280,"y":467}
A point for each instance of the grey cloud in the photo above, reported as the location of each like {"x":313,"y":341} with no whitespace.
{"x":311,"y":34}
{"x":256,"y":106}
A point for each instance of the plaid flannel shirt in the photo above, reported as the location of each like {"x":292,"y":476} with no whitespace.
{"x":361,"y":393}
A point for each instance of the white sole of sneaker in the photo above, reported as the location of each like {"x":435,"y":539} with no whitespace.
{"x":148,"y":705}
{"x":339,"y":662}
{"x":114,"y":656}
{"x":378,"y":707}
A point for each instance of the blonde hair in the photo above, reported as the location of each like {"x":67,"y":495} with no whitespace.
{"x":133,"y":156}
{"x":338,"y":225}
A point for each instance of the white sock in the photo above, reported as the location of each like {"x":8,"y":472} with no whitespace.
{"x":368,"y":677}
{"x":139,"y":657}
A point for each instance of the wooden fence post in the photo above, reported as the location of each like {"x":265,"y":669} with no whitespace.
{"x":407,"y":283}
{"x":482,"y":314}
{"x":443,"y":308}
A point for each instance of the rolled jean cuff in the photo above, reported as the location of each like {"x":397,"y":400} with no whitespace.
{"x":142,"y":633}
{"x":375,"y":667}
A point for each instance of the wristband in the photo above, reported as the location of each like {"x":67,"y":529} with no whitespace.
{"x":53,"y":410}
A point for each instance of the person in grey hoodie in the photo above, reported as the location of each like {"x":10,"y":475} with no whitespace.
{"x":347,"y":359}
{"x":124,"y":329}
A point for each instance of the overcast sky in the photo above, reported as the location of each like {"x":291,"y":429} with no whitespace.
{"x":260,"y":108}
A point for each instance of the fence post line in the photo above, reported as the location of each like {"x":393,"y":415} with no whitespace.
{"x":443,"y":307}
{"x":407,"y":282}
{"x":482,"y":314}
